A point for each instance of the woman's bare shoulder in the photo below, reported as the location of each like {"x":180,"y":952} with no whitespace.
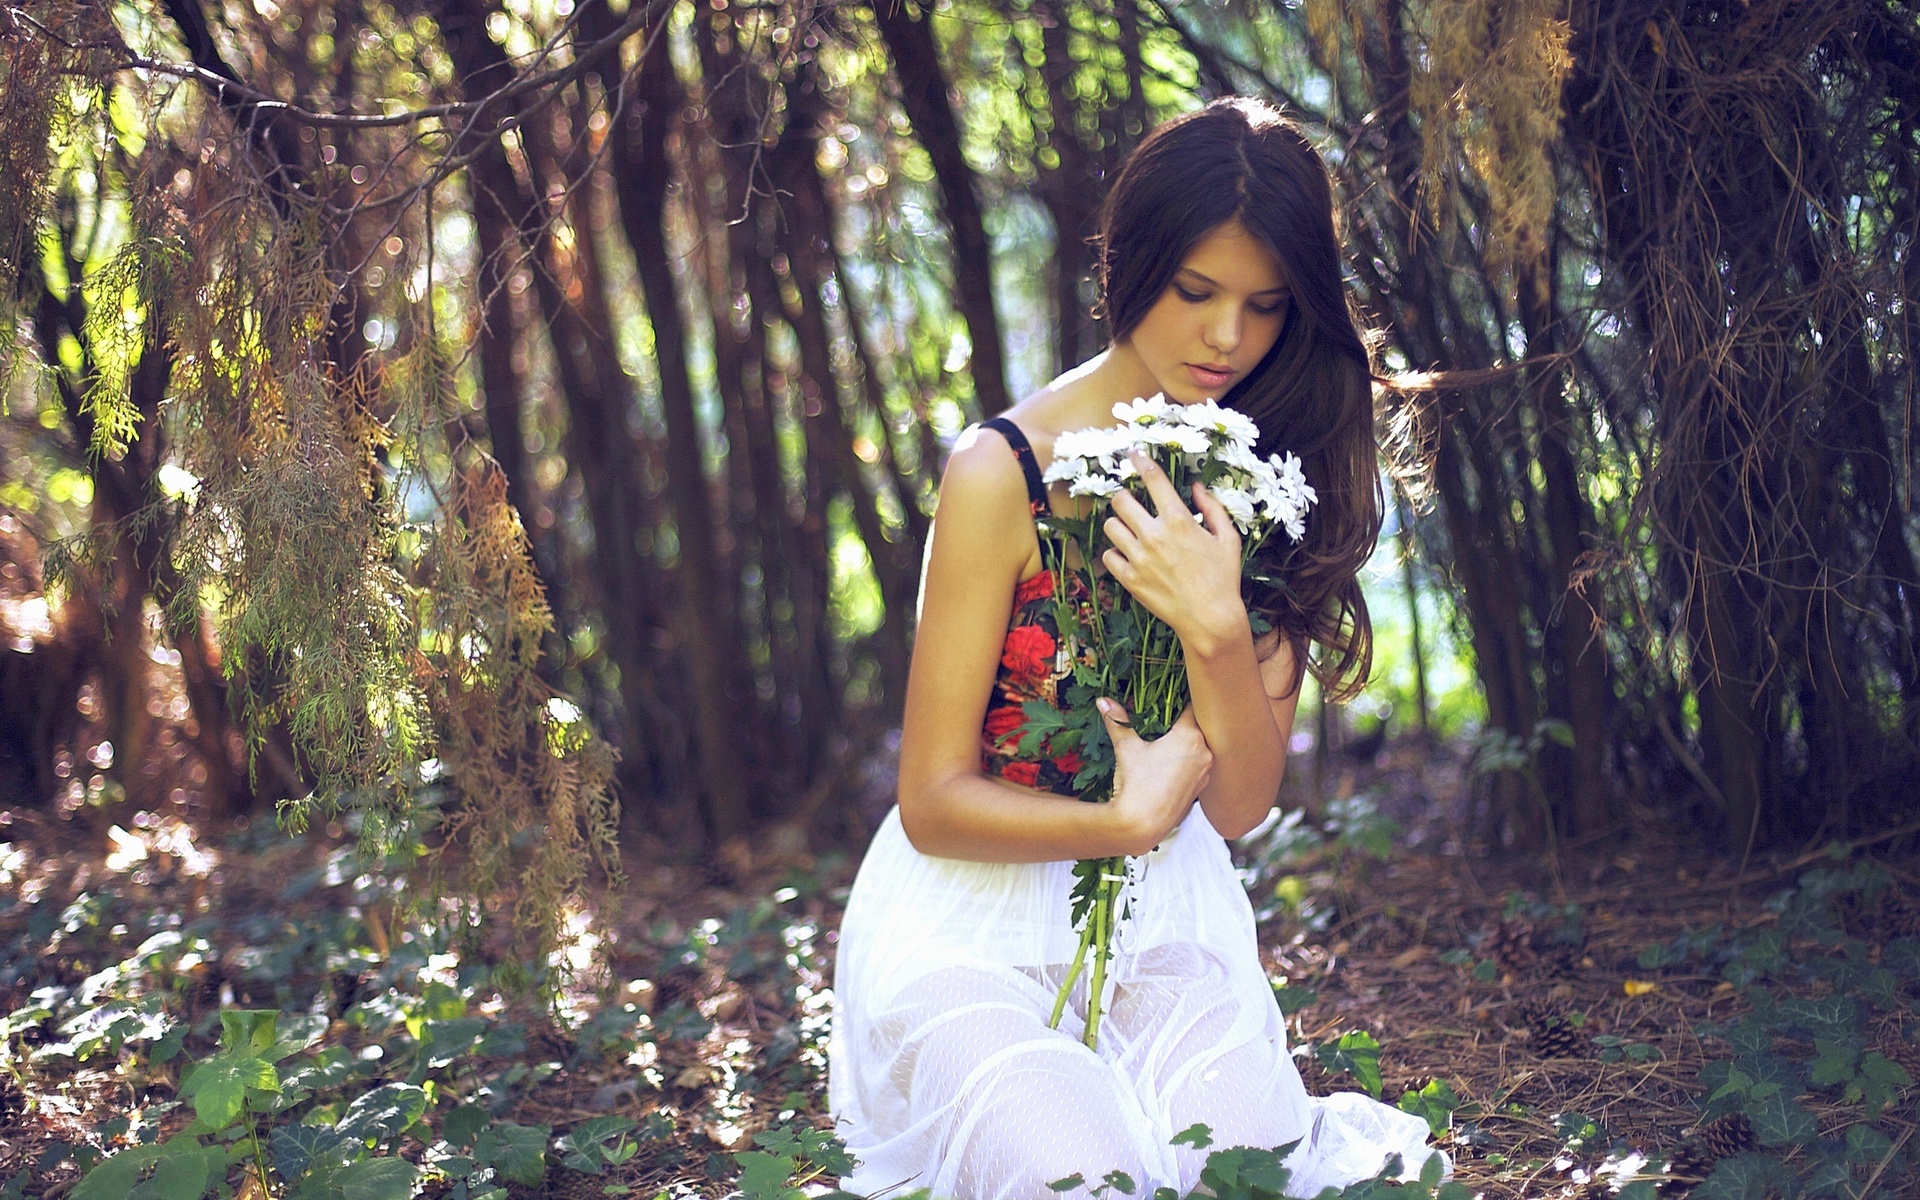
{"x":982,"y":479}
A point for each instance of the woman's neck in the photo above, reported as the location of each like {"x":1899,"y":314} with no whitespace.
{"x":1085,"y":395}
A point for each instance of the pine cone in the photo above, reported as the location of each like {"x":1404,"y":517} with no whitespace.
{"x":564,"y":1183}
{"x":347,"y":989}
{"x":1724,"y":1137}
{"x":552,"y":1042}
{"x":1900,"y":916}
{"x":1687,"y":1165}
{"x":1510,"y":943}
{"x":1551,"y":1029}
{"x":203,"y":995}
{"x":1561,"y":959}
{"x":13,"y":1101}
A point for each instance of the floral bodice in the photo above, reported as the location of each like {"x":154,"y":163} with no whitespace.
{"x":1032,"y":667}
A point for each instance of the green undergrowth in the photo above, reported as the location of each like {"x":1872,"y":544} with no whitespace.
{"x":303,"y":1045}
{"x":282,"y":1049}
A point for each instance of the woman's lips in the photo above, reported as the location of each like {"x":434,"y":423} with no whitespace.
{"x":1208,"y":377}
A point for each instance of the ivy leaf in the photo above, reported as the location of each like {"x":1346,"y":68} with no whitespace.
{"x":1121,"y":1182}
{"x":1880,"y":1080}
{"x":443,"y":1041}
{"x":297,"y":1147}
{"x":377,"y":1179}
{"x":183,"y":1172}
{"x":1356,"y":1052}
{"x":367,"y":1179}
{"x":1435,"y":1102}
{"x":384,"y":1112}
{"x":114,"y":1178}
{"x":1834,"y":1062}
{"x":1779,"y":1120}
{"x":301,"y":1031}
{"x":1742,"y":1177}
{"x":218,"y":1087}
{"x":595,"y":1130}
{"x":1199,"y":1136}
{"x":463,"y":1124}
{"x":518,"y":1152}
{"x":764,"y":1176}
{"x":1865,"y":1144}
{"x":248,"y":1029}
{"x":1069,"y":1183}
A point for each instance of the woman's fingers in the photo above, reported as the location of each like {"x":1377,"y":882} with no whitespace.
{"x":1119,"y":724}
{"x":1166,"y":498}
{"x":1130,"y":511}
{"x":1219,"y":520}
{"x":1122,"y":536}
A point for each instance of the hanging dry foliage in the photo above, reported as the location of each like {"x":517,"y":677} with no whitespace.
{"x":1488,"y":99}
{"x":393,"y":654}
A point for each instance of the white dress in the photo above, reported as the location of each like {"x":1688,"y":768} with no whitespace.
{"x":943,"y":1074}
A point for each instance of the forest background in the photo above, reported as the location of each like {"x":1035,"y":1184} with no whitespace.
{"x":506,"y":435}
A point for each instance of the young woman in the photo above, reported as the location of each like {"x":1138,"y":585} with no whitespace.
{"x":1220,"y":270}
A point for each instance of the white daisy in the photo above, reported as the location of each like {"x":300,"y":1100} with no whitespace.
{"x":1183,"y":437}
{"x":1227,"y":426}
{"x":1093,"y":485}
{"x":1240,"y":457}
{"x":1080,"y":443}
{"x":1239,"y":504}
{"x":1147,"y":411}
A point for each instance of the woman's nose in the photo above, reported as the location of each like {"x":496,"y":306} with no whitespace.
{"x":1223,"y":329}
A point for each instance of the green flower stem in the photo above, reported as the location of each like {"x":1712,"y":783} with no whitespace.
{"x":1101,"y":919}
{"x":1073,"y":976}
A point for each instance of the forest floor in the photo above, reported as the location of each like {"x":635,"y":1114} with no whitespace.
{"x":1556,"y":1035}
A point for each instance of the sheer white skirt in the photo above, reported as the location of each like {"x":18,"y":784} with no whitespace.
{"x":943,"y":1074}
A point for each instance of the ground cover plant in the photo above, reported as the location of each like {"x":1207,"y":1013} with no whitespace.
{"x":241,"y":1015}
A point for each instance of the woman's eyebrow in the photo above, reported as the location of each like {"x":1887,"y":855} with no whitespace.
{"x":1215,"y":283}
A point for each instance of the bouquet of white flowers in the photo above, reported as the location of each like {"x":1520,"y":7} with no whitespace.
{"x":1111,"y":644}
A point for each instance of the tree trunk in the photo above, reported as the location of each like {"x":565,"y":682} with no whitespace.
{"x":1071,"y":191}
{"x":708,"y":606}
{"x":923,"y":93}
{"x":1573,"y":624}
{"x":633,"y":596}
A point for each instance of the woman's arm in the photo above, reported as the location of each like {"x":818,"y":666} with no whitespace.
{"x":982,"y":543}
{"x":1188,"y":575}
{"x":1245,"y":707}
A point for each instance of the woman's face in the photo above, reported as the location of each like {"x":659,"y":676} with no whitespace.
{"x":1217,"y":319}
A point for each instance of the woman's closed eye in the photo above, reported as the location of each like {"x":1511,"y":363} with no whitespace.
{"x":1265,"y":308}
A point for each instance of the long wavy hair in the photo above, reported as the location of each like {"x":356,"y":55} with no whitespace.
{"x":1239,"y":159}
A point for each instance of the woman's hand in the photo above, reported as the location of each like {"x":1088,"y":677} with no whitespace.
{"x":1183,"y":571}
{"x":1156,"y":782}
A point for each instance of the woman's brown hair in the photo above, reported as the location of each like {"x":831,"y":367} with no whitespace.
{"x":1239,"y":159}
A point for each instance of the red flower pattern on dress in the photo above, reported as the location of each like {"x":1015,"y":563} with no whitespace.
{"x":1027,"y":774}
{"x":1032,"y":589}
{"x":1003,"y":719}
{"x":1028,"y":656}
{"x":1026,"y":673}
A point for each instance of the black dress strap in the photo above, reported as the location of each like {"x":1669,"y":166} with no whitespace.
{"x":1036,"y":487}
{"x":1023,"y":450}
